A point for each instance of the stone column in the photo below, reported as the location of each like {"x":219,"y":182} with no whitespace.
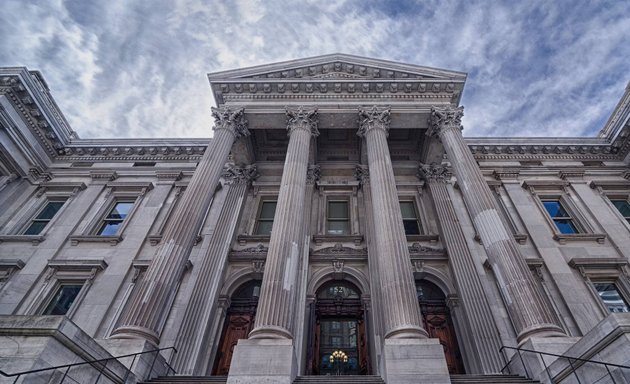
{"x":273,"y":316}
{"x":484,"y":333}
{"x":149,"y":304}
{"x":192,"y":341}
{"x":402,"y":318}
{"x":531,"y":315}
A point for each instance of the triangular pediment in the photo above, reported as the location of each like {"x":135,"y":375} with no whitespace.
{"x":337,"y":67}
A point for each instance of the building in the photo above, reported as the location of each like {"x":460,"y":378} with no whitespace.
{"x":336,"y":222}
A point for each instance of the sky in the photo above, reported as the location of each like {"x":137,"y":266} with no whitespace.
{"x":129,"y":68}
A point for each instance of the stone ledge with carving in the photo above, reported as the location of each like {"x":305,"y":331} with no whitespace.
{"x":111,"y":239}
{"x":34,"y":239}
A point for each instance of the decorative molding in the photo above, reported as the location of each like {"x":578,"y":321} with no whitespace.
{"x":434,"y":172}
{"x":301,"y":118}
{"x":506,"y":173}
{"x":563,"y":238}
{"x":33,"y":239}
{"x":443,"y":118}
{"x":168,"y":175}
{"x":313,"y":174}
{"x":232,"y":121}
{"x":237,"y":175}
{"x":362,"y":174}
{"x":339,"y":252}
{"x":320,"y":239}
{"x":103,"y":175}
{"x":417,"y":248}
{"x":374,"y":118}
{"x":258,"y":252}
{"x":571,"y":174}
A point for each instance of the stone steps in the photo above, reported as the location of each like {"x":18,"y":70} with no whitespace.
{"x":347,"y":379}
{"x":490,"y":379}
{"x":187,"y":380}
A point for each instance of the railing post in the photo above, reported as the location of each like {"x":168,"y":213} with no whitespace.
{"x":157,"y":352}
{"x":546,"y":368}
{"x":610,"y":374}
{"x":523,"y":362}
{"x":574,"y":372}
{"x":65,"y":374}
{"x":129,"y":369}
{"x":16,"y":379}
{"x":100,"y":371}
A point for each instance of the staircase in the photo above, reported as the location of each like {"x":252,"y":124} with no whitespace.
{"x":491,"y":379}
{"x":348,"y":379}
{"x":187,"y":380}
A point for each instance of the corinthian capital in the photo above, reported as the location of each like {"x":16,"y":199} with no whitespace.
{"x":443,"y":118}
{"x":232,"y":121}
{"x":302,"y":119}
{"x":434,"y":172}
{"x":373,"y":118}
{"x":236,"y":175}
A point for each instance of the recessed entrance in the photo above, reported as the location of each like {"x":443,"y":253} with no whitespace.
{"x":238,"y":323}
{"x":438,"y":322}
{"x":339,"y":344}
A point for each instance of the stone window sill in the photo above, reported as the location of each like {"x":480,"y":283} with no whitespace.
{"x":155,"y":239}
{"x":111,"y":239}
{"x":320,"y":239}
{"x":417,"y":238}
{"x":563,"y":238}
{"x":34,"y":239}
{"x":520,"y":238}
{"x":244,"y":239}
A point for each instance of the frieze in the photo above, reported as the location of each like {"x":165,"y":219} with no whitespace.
{"x":338,"y":251}
{"x":258,"y":252}
{"x":417,"y":248}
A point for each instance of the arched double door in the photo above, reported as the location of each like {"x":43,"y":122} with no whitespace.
{"x":438,"y":322}
{"x":239,"y":322}
{"x":338,"y":332}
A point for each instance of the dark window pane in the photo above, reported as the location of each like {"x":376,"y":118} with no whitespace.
{"x":338,"y":210}
{"x":110,"y":227}
{"x":50,"y":210}
{"x":555,"y":209}
{"x":338,"y":227}
{"x":36,"y":228}
{"x":407,"y":209}
{"x":565,"y":226}
{"x":264,"y":227}
{"x":268,"y":210}
{"x":623,"y":206}
{"x":411,"y":227}
{"x":611,"y":297}
{"x":63,"y":299}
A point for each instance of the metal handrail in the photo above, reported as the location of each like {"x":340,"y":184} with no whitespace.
{"x":569,"y":358}
{"x":92,"y":362}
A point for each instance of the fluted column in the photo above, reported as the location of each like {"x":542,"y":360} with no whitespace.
{"x":529,"y":311}
{"x":484,"y":332}
{"x":150,"y":302}
{"x":402,"y":318}
{"x":192,"y":340}
{"x":273,"y":316}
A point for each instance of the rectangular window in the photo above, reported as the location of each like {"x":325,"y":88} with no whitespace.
{"x":560,"y":216}
{"x":265,"y":217}
{"x":43,"y":217}
{"x":623,"y":207}
{"x":115,"y":217}
{"x":62,"y":300}
{"x":612,"y":298}
{"x":410,"y":218}
{"x":337,"y":218}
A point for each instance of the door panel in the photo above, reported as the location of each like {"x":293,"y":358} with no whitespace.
{"x":437,"y":322}
{"x":238,"y":327}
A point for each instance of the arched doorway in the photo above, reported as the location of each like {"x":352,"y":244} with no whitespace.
{"x":239,"y":322}
{"x":438,"y":322}
{"x":338,"y":326}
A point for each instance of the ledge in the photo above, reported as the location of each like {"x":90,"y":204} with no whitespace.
{"x":594,"y":262}
{"x":84,"y":264}
{"x":155,"y":239}
{"x":34,"y":239}
{"x":520,"y":238}
{"x":244,"y":239}
{"x":563,"y":238}
{"x":320,"y":239}
{"x":112,"y":239}
{"x":416,"y":238}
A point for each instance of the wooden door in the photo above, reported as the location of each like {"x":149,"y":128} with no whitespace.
{"x":238,"y":327}
{"x":437,"y":322}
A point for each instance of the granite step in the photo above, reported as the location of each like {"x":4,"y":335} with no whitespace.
{"x":187,"y":380}
{"x":491,"y":379}
{"x":346,"y":379}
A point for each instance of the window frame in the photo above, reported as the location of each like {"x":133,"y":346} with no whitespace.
{"x":105,"y":219}
{"x":328,"y":219}
{"x":619,"y":288}
{"x":570,"y":217}
{"x":414,"y":206}
{"x":26,"y":226}
{"x":259,"y":210}
{"x":612,"y":198}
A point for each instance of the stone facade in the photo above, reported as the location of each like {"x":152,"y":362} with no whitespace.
{"x":336,"y":206}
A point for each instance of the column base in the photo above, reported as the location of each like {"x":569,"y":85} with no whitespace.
{"x":410,"y":361}
{"x":263,"y":361}
{"x":270,"y":332}
{"x":541,"y":330}
{"x":135,"y":332}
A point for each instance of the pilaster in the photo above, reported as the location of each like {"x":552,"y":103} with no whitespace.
{"x":529,"y":311}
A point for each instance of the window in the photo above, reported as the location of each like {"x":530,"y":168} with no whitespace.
{"x":37,"y":224}
{"x":115,"y":218}
{"x":623,"y":207}
{"x":265,"y":217}
{"x":337,"y":218}
{"x":611,"y":296}
{"x":410,"y":218}
{"x":561,"y":218}
{"x":62,"y":299}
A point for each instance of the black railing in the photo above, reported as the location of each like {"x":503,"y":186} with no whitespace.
{"x":574,"y":364}
{"x":100,"y":366}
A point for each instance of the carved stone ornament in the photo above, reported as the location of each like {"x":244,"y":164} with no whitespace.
{"x":445,"y":118}
{"x":233,"y":121}
{"x":362,"y":173}
{"x":313,"y":174}
{"x":302,"y":119}
{"x":373,"y":118}
{"x":418,"y":248}
{"x":236,"y":175}
{"x":338,"y":265}
{"x":434,"y":172}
